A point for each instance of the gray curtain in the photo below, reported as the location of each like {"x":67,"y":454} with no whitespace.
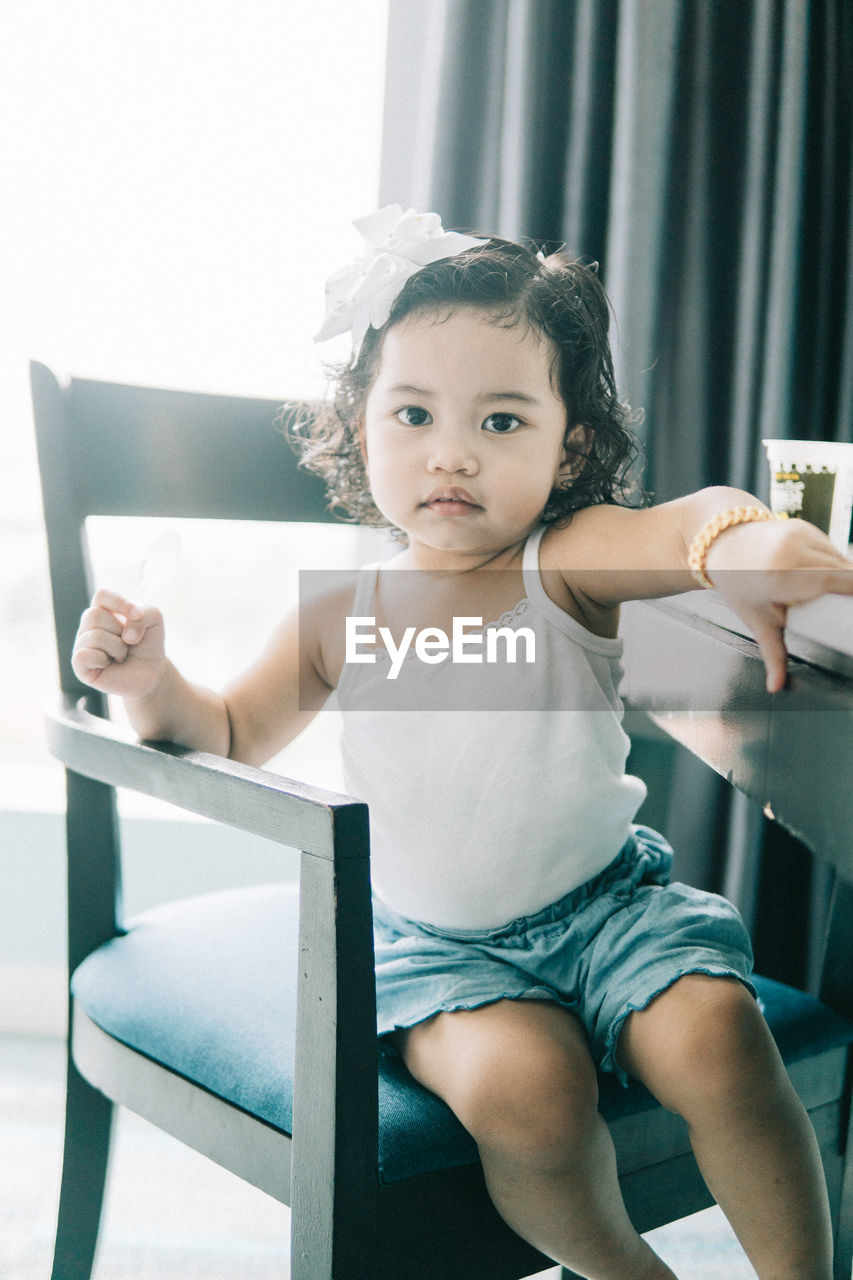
{"x":700,"y":151}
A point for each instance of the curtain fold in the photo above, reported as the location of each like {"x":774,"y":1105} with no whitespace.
{"x":700,"y":151}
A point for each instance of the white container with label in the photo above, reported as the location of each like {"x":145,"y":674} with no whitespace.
{"x":813,"y":480}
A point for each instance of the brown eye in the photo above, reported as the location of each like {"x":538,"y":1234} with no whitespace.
{"x":502,"y":423}
{"x":413,"y":416}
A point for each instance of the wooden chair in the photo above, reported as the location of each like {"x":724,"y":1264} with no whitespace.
{"x":243,"y":1022}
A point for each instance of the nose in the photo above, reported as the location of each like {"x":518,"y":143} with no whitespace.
{"x":453,"y":453}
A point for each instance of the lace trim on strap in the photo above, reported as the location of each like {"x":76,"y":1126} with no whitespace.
{"x":505,"y":620}
{"x":510,"y":616}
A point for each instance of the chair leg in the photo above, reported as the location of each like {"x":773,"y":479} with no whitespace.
{"x":88,"y":1128}
{"x":844,"y":1235}
{"x":841,"y":1193}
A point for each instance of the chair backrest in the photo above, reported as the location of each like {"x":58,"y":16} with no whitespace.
{"x":112,"y":450}
{"x":107,"y":449}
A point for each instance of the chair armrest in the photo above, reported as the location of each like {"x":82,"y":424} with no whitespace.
{"x":336,"y":1053}
{"x":254,"y":800}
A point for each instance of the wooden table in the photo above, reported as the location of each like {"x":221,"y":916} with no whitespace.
{"x":692,"y":666}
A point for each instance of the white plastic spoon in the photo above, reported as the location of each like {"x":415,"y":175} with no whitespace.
{"x":160,"y":563}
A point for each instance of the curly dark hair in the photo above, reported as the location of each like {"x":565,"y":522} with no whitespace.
{"x":555,"y":295}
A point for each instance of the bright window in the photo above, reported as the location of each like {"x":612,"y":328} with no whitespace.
{"x":179,"y":180}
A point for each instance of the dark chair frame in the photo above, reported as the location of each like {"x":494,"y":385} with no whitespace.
{"x":346,"y":1223}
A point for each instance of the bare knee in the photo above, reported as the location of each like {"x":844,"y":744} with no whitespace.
{"x":700,"y":1044}
{"x":538,"y":1107}
{"x":520,"y":1079}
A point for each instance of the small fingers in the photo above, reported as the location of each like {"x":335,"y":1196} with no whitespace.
{"x":147,"y":620}
{"x":116,"y":603}
{"x":110,"y":612}
{"x":797,"y":586}
{"x":111,"y":629}
{"x":100,"y":619}
{"x":771,"y":645}
{"x":101,"y":640}
{"x":87,"y":664}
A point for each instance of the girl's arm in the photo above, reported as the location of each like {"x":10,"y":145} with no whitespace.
{"x":274,"y":700}
{"x":612,"y":554}
{"x":120,"y":650}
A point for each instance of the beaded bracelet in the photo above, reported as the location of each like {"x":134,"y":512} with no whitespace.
{"x":723,"y":520}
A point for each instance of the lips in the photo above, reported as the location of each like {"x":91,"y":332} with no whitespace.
{"x":451,"y":500}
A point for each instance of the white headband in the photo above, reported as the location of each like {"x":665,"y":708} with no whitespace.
{"x":397,"y":245}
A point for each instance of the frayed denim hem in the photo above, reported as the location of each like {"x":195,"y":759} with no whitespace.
{"x":608,"y":1062}
{"x":386,"y":1035}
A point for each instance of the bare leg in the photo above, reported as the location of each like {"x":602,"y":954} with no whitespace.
{"x":519,"y":1076}
{"x":705,"y":1051}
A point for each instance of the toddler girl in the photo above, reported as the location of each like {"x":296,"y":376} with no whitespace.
{"x":526,"y":928}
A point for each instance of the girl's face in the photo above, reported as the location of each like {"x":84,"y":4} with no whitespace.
{"x":463,"y":434}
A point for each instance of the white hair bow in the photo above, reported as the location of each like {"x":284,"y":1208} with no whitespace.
{"x":397,"y":245}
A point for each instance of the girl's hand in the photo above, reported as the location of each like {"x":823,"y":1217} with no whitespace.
{"x":119,"y":647}
{"x":762,"y":569}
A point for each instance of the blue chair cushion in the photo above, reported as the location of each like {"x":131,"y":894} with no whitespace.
{"x":205,"y":987}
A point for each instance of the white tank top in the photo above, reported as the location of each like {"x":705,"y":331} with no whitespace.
{"x":511,"y":795}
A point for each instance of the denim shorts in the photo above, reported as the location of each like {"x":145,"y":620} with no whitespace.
{"x":605,"y":949}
